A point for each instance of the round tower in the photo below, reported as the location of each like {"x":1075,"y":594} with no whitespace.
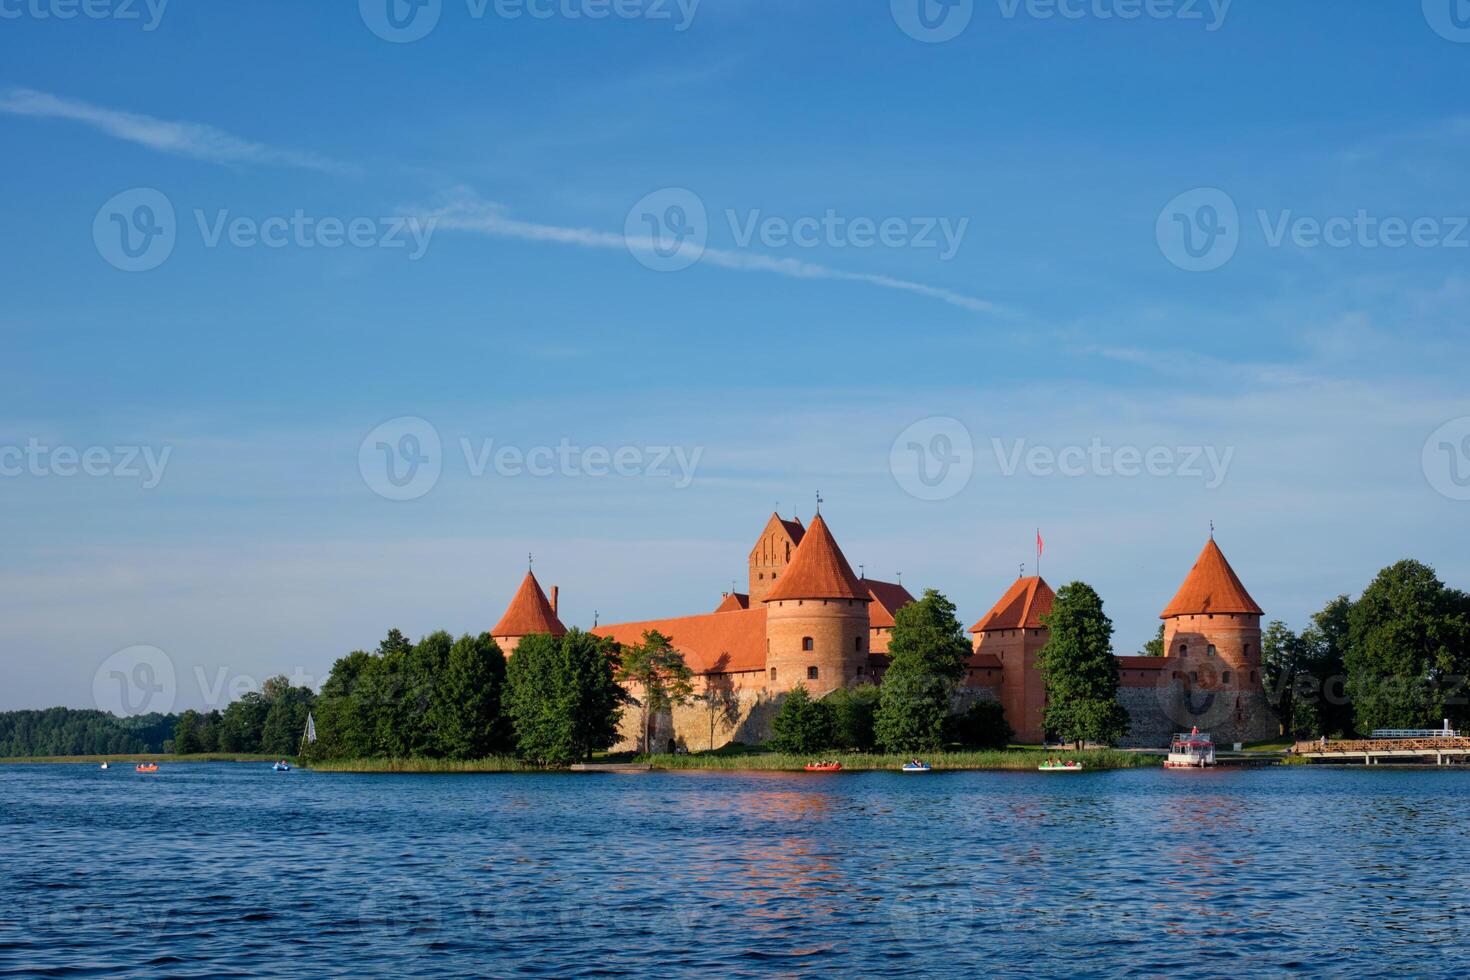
{"x":817,"y":619}
{"x":1212,"y":639}
{"x":529,"y":612}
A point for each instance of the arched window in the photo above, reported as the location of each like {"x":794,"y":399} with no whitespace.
{"x":806,"y":643}
{"x":1210,"y":649}
{"x":1183,"y":649}
{"x":811,"y":673}
{"x":773,"y":673}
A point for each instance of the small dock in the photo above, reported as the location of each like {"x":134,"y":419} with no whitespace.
{"x":1429,"y":749}
{"x":611,"y":767}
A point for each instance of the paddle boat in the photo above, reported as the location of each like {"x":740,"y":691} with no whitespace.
{"x":1057,"y":765}
{"x":823,"y":767}
{"x":282,"y":766}
{"x":146,"y":767}
{"x":1192,"y":751}
{"x":916,"y":765}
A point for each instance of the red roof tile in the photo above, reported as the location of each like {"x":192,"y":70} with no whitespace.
{"x":733,"y":601}
{"x":818,"y":570}
{"x":888,"y":598}
{"x":1022,"y":607}
{"x":529,"y":612}
{"x":1211,"y":587}
{"x":713,"y":642}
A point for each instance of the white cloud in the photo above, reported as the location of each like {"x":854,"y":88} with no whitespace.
{"x":197,"y":140}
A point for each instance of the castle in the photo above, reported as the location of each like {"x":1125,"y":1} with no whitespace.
{"x":808,"y":619}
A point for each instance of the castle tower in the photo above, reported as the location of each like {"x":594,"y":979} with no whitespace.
{"x":1212,"y":636}
{"x":816,"y":618}
{"x":1013,"y":632}
{"x":530,"y":612}
{"x":771,"y":554}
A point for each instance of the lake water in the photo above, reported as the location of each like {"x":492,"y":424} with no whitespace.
{"x":211,"y":870}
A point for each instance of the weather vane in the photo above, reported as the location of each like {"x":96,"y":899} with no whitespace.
{"x":819,"y":501}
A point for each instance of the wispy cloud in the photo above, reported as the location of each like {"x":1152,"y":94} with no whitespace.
{"x":488,"y":218}
{"x":197,"y":140}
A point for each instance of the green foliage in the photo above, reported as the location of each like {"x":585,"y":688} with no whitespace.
{"x":983,"y":726}
{"x":660,"y":675}
{"x":927,"y":652}
{"x":186,"y":733}
{"x":1285,"y":661}
{"x":1080,"y":672}
{"x":802,"y":726}
{"x":561,"y":697}
{"x":1326,"y":641}
{"x":242,"y":723}
{"x":1408,"y":650}
{"x":69,"y":731}
{"x":280,"y":733}
{"x":464,"y":715}
{"x":854,"y":713}
{"x":1154,"y":647}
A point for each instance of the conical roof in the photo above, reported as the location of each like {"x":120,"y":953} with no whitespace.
{"x":1022,"y":607}
{"x":818,"y":570}
{"x":529,"y":612}
{"x":1211,"y":587}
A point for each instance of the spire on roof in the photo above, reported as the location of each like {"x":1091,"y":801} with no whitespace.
{"x":529,"y":612}
{"x":1211,"y":587}
{"x":818,"y":570}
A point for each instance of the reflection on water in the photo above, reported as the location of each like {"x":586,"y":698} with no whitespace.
{"x":212,"y":869}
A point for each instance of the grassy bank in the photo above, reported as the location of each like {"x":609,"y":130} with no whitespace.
{"x":736,"y":759}
{"x":201,"y":757}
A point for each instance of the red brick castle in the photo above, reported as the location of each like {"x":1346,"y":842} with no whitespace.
{"x":808,"y":619}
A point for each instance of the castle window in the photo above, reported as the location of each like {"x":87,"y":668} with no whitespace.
{"x":1210,"y":649}
{"x":857,"y":644}
{"x":1225,"y":677}
{"x":1183,"y":649}
{"x":773,"y":673}
{"x":1194,"y":676}
{"x":860,"y":670}
{"x":1247,"y":649}
{"x":806,"y":643}
{"x":811,"y":673}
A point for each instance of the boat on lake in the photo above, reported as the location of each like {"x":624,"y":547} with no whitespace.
{"x":1057,"y":765}
{"x":823,"y":767}
{"x":916,"y":766}
{"x":146,"y":767}
{"x":1194,"y":750}
{"x":282,"y":766}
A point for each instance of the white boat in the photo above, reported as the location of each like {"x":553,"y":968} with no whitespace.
{"x":281,"y":767}
{"x":916,"y":767}
{"x":1193,"y":750}
{"x":1060,"y":767}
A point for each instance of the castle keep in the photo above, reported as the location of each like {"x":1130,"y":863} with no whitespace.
{"x":808,"y":619}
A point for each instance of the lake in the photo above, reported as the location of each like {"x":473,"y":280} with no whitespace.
{"x":219,"y":869}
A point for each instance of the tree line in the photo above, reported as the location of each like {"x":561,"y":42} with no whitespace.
{"x":71,"y":731}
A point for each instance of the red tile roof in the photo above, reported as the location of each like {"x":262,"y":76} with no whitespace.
{"x":529,"y":612}
{"x":713,"y":642}
{"x":818,"y":570}
{"x":1021,"y":607}
{"x":1211,"y":587}
{"x":733,"y":601}
{"x":888,"y":598}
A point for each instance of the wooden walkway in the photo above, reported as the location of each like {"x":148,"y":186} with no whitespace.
{"x":1439,"y":751}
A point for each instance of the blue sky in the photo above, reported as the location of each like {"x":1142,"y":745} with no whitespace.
{"x":1325,"y":380}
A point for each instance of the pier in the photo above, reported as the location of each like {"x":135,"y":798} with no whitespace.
{"x":1431,"y":747}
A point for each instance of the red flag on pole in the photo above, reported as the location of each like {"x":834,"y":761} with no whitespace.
{"x":1039,"y":544}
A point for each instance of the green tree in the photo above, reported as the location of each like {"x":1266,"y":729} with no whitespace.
{"x":465,"y":715}
{"x":209,"y":731}
{"x":661,"y":676}
{"x":1408,"y":650}
{"x":591,"y":699}
{"x":280,"y":733}
{"x":1290,"y":684}
{"x":242,"y":723}
{"x":186,"y":733}
{"x":983,"y":726}
{"x":854,"y":710}
{"x":1079,"y":670}
{"x":561,"y":698}
{"x":927,"y":652}
{"x":1326,"y":642}
{"x":802,"y":726}
{"x":1154,"y":647}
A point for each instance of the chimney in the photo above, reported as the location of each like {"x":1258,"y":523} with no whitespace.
{"x":555,"y":591}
